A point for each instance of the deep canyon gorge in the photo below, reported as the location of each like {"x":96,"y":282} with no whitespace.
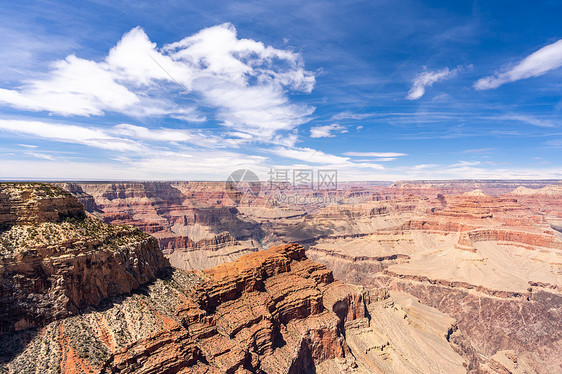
{"x":175,"y":277}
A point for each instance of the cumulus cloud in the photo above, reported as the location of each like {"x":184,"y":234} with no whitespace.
{"x":427,"y":79}
{"x":75,"y":87}
{"x":536,"y":64}
{"x":326,"y":131}
{"x":244,"y":81}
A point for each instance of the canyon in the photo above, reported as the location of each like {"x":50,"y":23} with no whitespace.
{"x":415,"y":276}
{"x":82,"y":296}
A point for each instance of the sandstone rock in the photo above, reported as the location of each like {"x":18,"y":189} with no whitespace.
{"x":34,"y":203}
{"x":273,"y":311}
{"x":54,"y":262}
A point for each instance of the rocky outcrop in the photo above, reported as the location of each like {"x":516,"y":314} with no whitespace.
{"x":54,"y":262}
{"x":491,"y":261}
{"x":273,"y":311}
{"x":34,"y":203}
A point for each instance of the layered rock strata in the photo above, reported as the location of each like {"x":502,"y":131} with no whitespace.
{"x":55,"y":262}
{"x":273,"y":311}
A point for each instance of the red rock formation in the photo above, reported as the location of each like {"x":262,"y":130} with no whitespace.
{"x":269,"y":312}
{"x":34,"y":203}
{"x":50,"y":268}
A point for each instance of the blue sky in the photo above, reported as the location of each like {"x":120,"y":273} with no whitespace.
{"x":379,"y":90}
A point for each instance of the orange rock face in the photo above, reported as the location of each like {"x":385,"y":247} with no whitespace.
{"x":270,"y":312}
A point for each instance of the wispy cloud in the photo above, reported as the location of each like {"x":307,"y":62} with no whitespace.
{"x":326,"y":131}
{"x":464,"y":163}
{"x":309,"y":155}
{"x":168,"y":135}
{"x":93,"y":137}
{"x":529,"y":120}
{"x":121,"y":137}
{"x":42,"y":156}
{"x":427,"y":79}
{"x":382,"y":159}
{"x":424,"y":166}
{"x":479,"y":150}
{"x":350,"y":115}
{"x":536,"y":64}
{"x":374,"y":154}
{"x":554,"y":143}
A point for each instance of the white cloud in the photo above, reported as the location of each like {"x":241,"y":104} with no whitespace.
{"x":122,"y":137}
{"x":93,"y":137}
{"x":244,"y":81}
{"x":374,"y":154}
{"x":312,"y":156}
{"x":136,"y":59}
{"x":326,"y":131}
{"x":41,"y":155}
{"x":350,"y":115}
{"x":529,"y":120}
{"x":75,"y":87}
{"x":309,"y":155}
{"x":426,"y":79}
{"x":464,"y":163}
{"x":479,"y":150}
{"x":383,"y":159}
{"x":536,"y":64}
{"x":424,"y":166}
{"x":167,"y":135}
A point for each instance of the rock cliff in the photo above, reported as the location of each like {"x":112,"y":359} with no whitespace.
{"x":195,"y":223}
{"x":54,"y":262}
{"x":273,"y":311}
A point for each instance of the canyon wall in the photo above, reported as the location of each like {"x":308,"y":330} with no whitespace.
{"x":274,"y":311}
{"x":486,"y":254}
{"x":55,"y":262}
